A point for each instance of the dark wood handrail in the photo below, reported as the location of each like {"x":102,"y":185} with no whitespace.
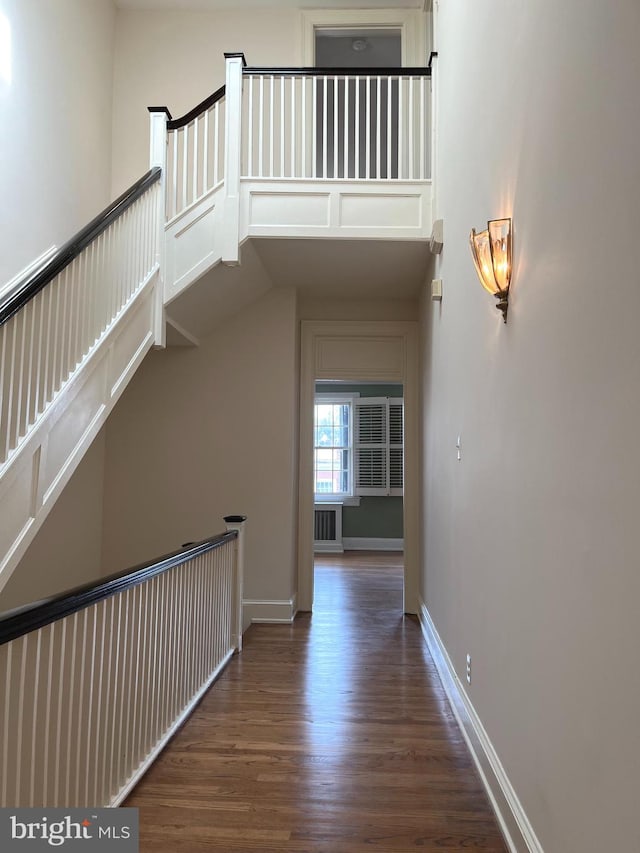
{"x":341,"y":72}
{"x":203,"y":106}
{"x":16,"y":623}
{"x":34,"y":283}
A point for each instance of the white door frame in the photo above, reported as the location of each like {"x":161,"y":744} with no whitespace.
{"x":413,"y":24}
{"x":360,"y":351}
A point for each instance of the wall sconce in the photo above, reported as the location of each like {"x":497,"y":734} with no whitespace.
{"x":491,"y":250}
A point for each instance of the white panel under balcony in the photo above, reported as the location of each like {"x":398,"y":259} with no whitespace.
{"x":362,"y":210}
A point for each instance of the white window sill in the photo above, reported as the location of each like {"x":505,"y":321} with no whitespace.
{"x":343,"y":501}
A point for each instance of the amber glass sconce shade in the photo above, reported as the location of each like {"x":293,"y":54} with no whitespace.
{"x":491,"y":251}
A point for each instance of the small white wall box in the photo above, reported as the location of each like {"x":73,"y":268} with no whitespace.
{"x":436,"y":240}
{"x":436,"y":290}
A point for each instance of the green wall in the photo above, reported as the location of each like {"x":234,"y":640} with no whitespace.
{"x":376,"y":517}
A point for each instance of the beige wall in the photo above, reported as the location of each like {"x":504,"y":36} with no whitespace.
{"x":66,"y":551}
{"x":313,"y":308}
{"x":532,"y":539}
{"x":204,"y":432}
{"x":176,"y":58}
{"x":55,"y":115}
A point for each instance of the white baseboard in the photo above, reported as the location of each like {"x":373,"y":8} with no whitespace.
{"x":328,"y":547}
{"x":515,"y":826}
{"x":360,"y":543}
{"x":269,"y":611}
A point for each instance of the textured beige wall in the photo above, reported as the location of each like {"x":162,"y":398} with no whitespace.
{"x":66,"y":551}
{"x":532,"y":539}
{"x":55,"y":115}
{"x":176,"y":58}
{"x":204,"y":432}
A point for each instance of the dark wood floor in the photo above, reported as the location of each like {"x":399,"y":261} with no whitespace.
{"x":333,"y":734}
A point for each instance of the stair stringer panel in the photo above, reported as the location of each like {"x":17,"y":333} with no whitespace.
{"x":36,"y":473}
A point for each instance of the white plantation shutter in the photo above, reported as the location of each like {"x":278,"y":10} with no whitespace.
{"x":396,"y":447}
{"x":378,"y":446}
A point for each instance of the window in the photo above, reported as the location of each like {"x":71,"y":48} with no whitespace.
{"x":358,"y":447}
{"x":333,"y":446}
{"x":379,"y":446}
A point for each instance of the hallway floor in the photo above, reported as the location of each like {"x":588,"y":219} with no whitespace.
{"x":333,"y":734}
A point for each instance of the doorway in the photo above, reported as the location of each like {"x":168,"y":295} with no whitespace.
{"x":357,"y":116}
{"x":358,"y":479}
{"x":363,"y":353}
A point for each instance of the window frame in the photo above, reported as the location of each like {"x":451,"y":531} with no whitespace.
{"x":350,"y":498}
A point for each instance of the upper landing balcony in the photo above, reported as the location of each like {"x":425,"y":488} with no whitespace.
{"x":294,"y":153}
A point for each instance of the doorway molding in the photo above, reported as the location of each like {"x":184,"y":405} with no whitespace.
{"x":412,"y":23}
{"x":360,"y":351}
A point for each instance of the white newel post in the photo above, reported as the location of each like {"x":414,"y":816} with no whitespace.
{"x":158,"y":157}
{"x":232,"y":159}
{"x":237,"y":522}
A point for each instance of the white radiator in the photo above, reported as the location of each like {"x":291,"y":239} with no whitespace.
{"x":327,"y":528}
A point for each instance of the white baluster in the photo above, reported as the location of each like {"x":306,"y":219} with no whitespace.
{"x":48,"y":721}
{"x":216,"y":149}
{"x":368,"y":130}
{"x":423,"y":155}
{"x":250,"y":145}
{"x":303,"y":140}
{"x":336,"y":98}
{"x":325,"y":129}
{"x":271,"y":118}
{"x":175,"y":172}
{"x":292,"y":169}
{"x":345,"y":166}
{"x":356,"y":141}
{"x":196,"y":131}
{"x":282,"y":125}
{"x":378,"y":126}
{"x":389,"y":89}
{"x":400,"y":128}
{"x":205,"y":151}
{"x":411,"y":174}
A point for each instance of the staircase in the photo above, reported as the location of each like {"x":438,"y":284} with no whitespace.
{"x":302,"y":153}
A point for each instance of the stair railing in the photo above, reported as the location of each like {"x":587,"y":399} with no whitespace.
{"x":96,"y":681}
{"x":195,"y":153}
{"x":51,"y":321}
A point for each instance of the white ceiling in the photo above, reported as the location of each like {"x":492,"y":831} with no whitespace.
{"x":212,"y":5}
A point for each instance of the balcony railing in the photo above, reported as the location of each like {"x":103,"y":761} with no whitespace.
{"x":299,"y":124}
{"x":367,"y":124}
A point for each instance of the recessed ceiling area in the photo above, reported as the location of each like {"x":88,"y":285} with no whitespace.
{"x":213,"y":5}
{"x":346,"y":269}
